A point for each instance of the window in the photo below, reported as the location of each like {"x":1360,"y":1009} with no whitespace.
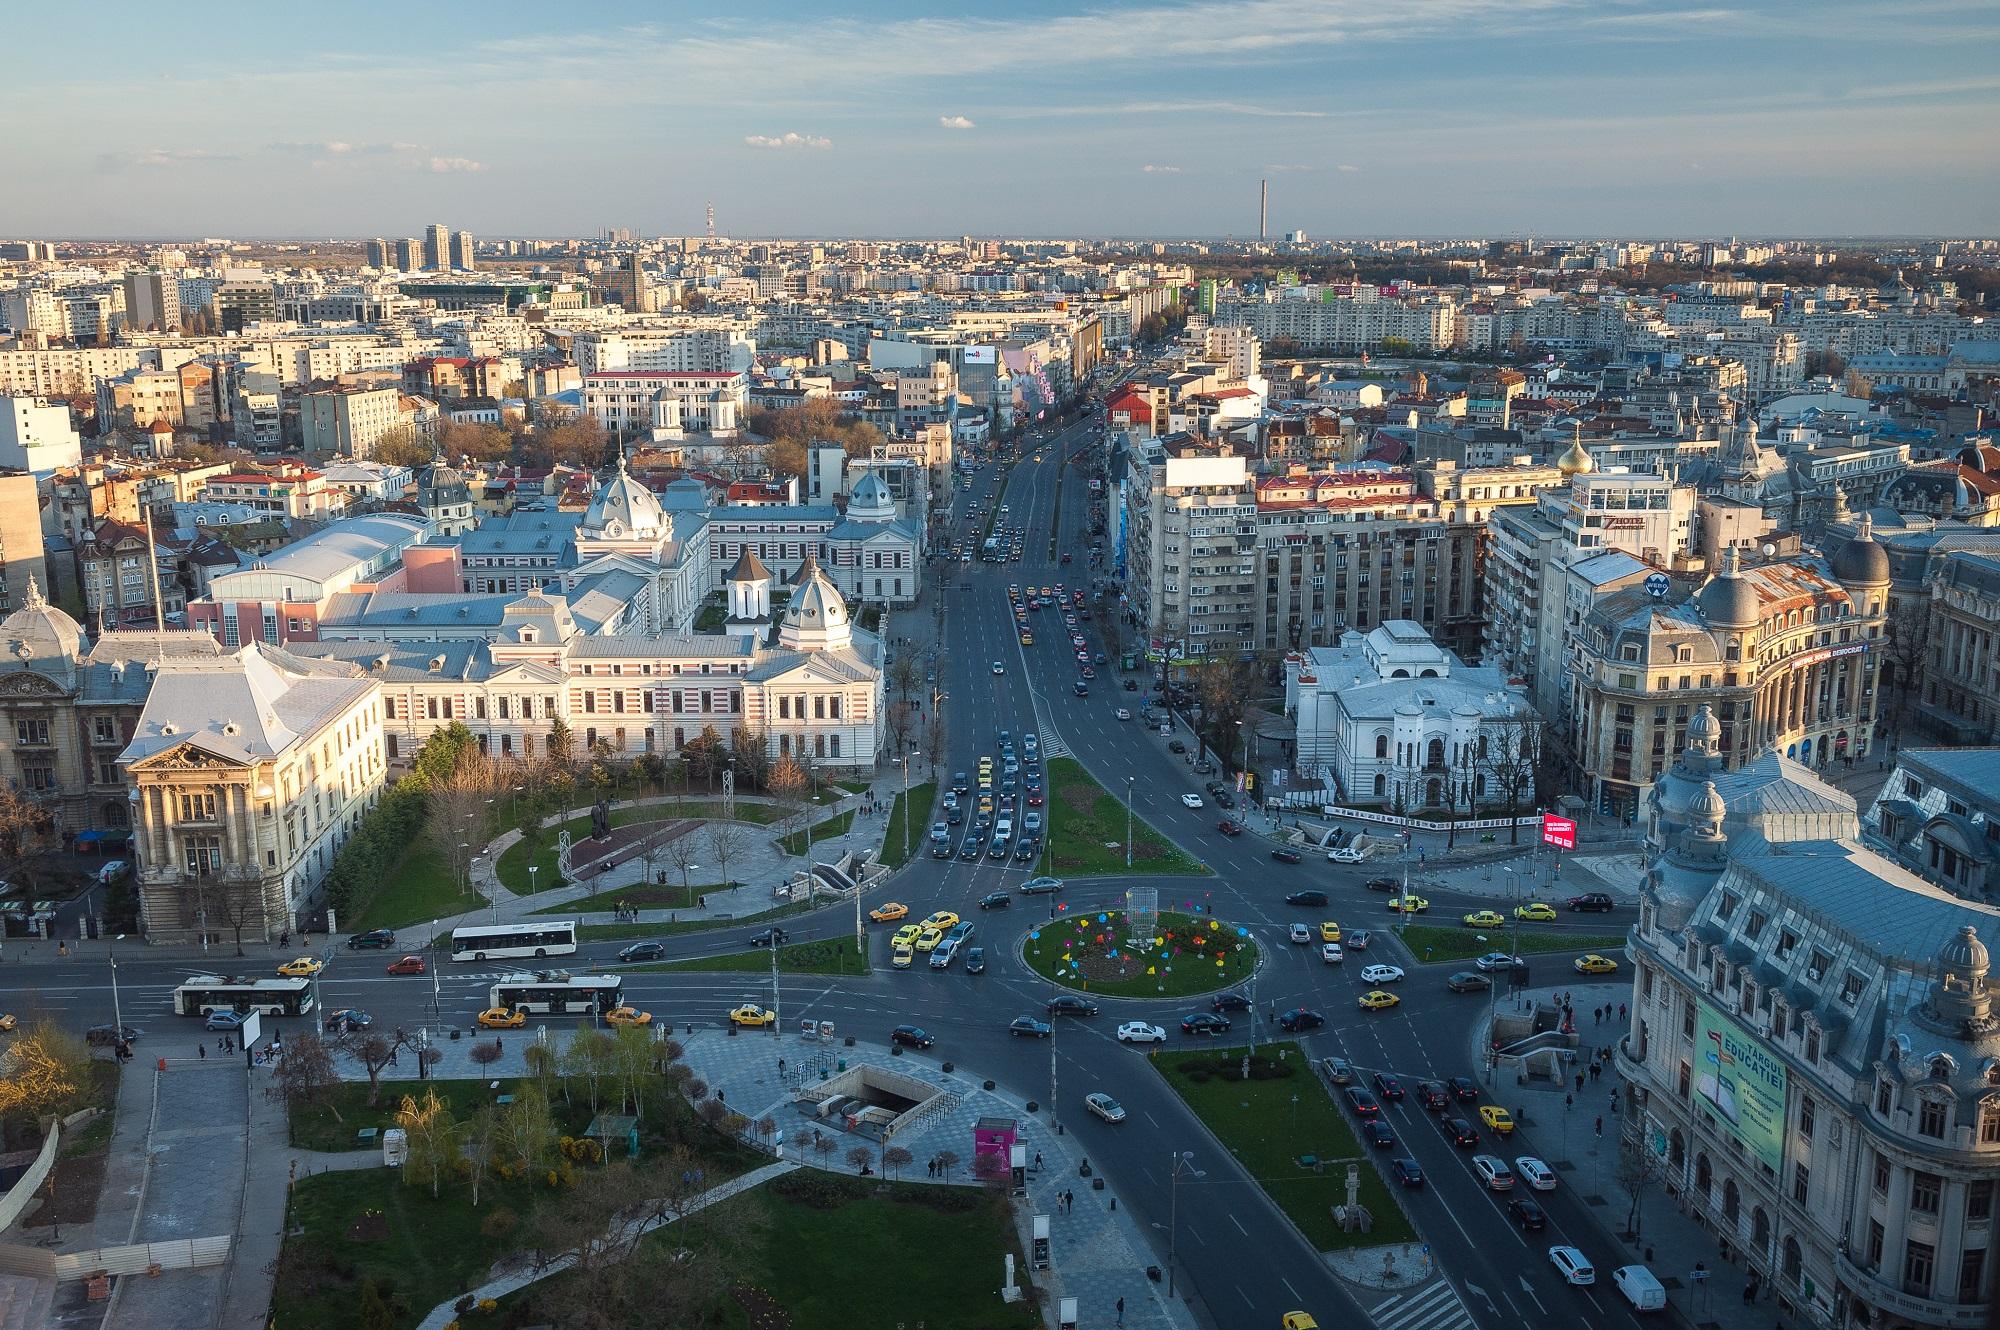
{"x":197,"y":807}
{"x":1812,"y":1044}
{"x":1979,"y":1200}
{"x":1881,"y":1174}
{"x":103,"y":729}
{"x":1687,"y":1020}
{"x":1801,"y":1183}
{"x":204,"y":854}
{"x":1930,"y":1118}
{"x":1919,"y":1264}
{"x":1971,"y":1274}
{"x":1806,"y":1116}
{"x":1926,"y":1190}
{"x":1850,"y":988}
{"x":1989,"y":1122}
{"x":32,"y":733}
{"x":1874,"y":1244}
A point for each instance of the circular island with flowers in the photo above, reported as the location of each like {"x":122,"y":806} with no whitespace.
{"x":1182,"y":953}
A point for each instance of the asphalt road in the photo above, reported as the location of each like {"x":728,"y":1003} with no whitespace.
{"x":1238,"y":1255}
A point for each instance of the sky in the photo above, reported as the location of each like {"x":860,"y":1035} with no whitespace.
{"x":1477,"y":118}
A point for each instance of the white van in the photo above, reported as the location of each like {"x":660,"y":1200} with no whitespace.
{"x":1641,"y":1289}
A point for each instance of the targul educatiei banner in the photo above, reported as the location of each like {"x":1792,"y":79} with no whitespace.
{"x":1741,"y":1083}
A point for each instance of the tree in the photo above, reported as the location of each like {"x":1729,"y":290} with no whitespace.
{"x":947,"y":1161}
{"x":750,"y":754}
{"x":905,"y":675}
{"x":472,"y":439}
{"x":1223,"y":688}
{"x":26,"y":835}
{"x":634,"y":1057}
{"x":456,"y":804}
{"x":47,"y":1075}
{"x":481,"y":1139}
{"x":305,"y":1076}
{"x":816,"y":420}
{"x":1514,"y":760}
{"x":679,"y":853}
{"x":1909,"y":630}
{"x":901,"y":719}
{"x":236,"y":903}
{"x":1639,"y":1169}
{"x":400,"y":446}
{"x":725,"y":842}
{"x":431,"y":1136}
{"x":991,"y":1169}
{"x":526,"y":1130}
{"x":860,"y":1156}
{"x":566,"y":436}
{"x":704,"y":754}
{"x":767,"y":1127}
{"x":374,"y":1051}
{"x":894,"y":1159}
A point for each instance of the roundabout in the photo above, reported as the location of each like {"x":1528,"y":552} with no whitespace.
{"x":1112,"y":953}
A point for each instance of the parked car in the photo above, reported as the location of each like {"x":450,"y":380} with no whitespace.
{"x":375,"y":939}
{"x":1591,"y":901}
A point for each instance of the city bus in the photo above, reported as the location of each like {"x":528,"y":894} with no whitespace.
{"x":530,"y":937}
{"x":206,"y":993}
{"x":557,"y":993}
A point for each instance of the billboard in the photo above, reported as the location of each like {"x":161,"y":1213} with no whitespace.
{"x":1559,"y":831}
{"x":1741,"y":1084}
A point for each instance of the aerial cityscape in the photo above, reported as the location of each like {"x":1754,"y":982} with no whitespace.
{"x":1195,"y":667}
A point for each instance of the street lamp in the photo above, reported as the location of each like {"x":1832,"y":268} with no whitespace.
{"x":117,"y":1013}
{"x":1129,"y":781}
{"x":1182,"y":1162}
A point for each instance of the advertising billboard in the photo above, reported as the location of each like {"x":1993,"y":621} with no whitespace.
{"x":1741,"y":1083}
{"x":1559,"y":831}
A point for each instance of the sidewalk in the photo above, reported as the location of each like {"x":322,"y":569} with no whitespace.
{"x":1586,"y":1157}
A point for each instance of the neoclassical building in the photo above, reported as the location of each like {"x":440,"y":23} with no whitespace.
{"x":1813,"y":1060}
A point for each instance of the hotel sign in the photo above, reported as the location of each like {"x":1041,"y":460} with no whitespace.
{"x":1828,"y":653}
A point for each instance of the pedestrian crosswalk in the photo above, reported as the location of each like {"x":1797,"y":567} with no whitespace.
{"x":1053,"y":746}
{"x":1434,"y":1307}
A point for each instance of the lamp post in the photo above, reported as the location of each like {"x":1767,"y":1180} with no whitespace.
{"x":1129,"y":782}
{"x":906,"y":809}
{"x":117,"y":1013}
{"x":1182,"y":1161}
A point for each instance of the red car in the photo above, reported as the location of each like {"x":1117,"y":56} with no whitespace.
{"x":407,"y":965}
{"x":1228,"y":828}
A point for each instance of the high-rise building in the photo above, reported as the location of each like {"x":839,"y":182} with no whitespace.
{"x":409,"y":256}
{"x":152,"y":301}
{"x":461,"y":251}
{"x":36,"y":436}
{"x":437,"y":246}
{"x":21,"y":551}
{"x":375,"y":253}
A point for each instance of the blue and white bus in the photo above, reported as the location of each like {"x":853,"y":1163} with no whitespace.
{"x":530,"y":938}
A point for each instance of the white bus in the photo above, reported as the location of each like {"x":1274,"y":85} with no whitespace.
{"x":506,"y":941}
{"x":206,"y":993}
{"x":557,"y":993}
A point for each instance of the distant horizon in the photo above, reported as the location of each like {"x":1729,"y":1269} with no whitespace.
{"x":1048,"y":119}
{"x":1551,"y":237}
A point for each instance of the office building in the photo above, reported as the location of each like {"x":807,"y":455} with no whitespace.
{"x":437,"y":246}
{"x":153,"y":301}
{"x":461,"y":251}
{"x":22,"y":558}
{"x":36,"y":436}
{"x":409,"y":255}
{"x":375,"y":253}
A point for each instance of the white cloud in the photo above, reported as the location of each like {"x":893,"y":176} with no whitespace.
{"x":1151,"y":169}
{"x":163,"y":157}
{"x":787,"y":140}
{"x":1277,"y":168}
{"x":954,"y":122}
{"x":1345,"y":167}
{"x":454,"y":165}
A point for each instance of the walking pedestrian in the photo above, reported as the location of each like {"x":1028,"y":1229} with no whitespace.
{"x":1595,"y":1068}
{"x":1121,"y":1311}
{"x":203,"y":1050}
{"x":1621,"y":1011}
{"x":1569,"y":1102}
{"x":1579,"y":1082}
{"x":1600,"y":1126}
{"x":1038,"y":1161}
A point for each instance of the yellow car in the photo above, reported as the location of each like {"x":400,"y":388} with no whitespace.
{"x":7,"y":1023}
{"x":929,"y":938}
{"x":899,"y":956}
{"x":1595,"y":964}
{"x":499,"y":1018}
{"x":752,"y":1015}
{"x":303,"y":968}
{"x":1483,"y":919}
{"x":942,"y":920}
{"x":1539,"y":911}
{"x":1027,"y":639}
{"x":889,"y":912}
{"x":907,"y":935}
{"x":628,"y":1016}
{"x":1411,"y":904}
{"x":1329,"y":931}
{"x":1497,"y":1119}
{"x":1298,"y":1321}
{"x":1377,"y":1000}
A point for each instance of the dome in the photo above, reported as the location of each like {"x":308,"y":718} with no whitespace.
{"x":624,"y":507}
{"x":1728,"y":600}
{"x":1576,"y":459}
{"x":1964,"y":954}
{"x":1704,"y":729}
{"x":816,"y":618}
{"x":1861,"y":561}
{"x":748,"y":568}
{"x":1707,"y":806}
{"x":41,"y":637}
{"x":1980,"y":457}
{"x":871,"y":500}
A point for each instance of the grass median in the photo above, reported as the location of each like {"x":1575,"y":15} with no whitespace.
{"x":799,"y":842}
{"x":670,"y":897}
{"x":1087,"y":831}
{"x":1430,"y":944}
{"x":916,"y":806}
{"x":1091,"y":952}
{"x":827,"y":956}
{"x":1268,"y":1134}
{"x":629,"y":932}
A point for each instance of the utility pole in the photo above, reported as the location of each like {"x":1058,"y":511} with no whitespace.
{"x":1129,"y":781}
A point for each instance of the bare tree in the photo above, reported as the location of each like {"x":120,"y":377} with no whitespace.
{"x":860,"y":1156}
{"x":901,"y":717}
{"x":456,"y":811}
{"x":895,"y":1159}
{"x":725,"y":842}
{"x":375,"y":1051}
{"x":482,"y":1136}
{"x":947,"y":1161}
{"x":991,"y":1169}
{"x":1639,"y":1169}
{"x":678,"y":852}
{"x":305,"y":1076}
{"x":1909,"y":645}
{"x":235,"y":903}
{"x":1514,"y":760}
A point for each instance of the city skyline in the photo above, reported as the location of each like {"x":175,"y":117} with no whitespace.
{"x":1445,"y":117}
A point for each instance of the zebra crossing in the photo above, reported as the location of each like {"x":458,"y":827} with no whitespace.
{"x":1436,"y":1307}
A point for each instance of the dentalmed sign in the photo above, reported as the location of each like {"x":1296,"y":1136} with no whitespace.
{"x":1741,"y":1083}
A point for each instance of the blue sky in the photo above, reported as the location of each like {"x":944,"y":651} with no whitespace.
{"x":1369,"y":117}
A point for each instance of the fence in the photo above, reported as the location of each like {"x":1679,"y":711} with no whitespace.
{"x":137,"y":1259}
{"x":17,"y":1199}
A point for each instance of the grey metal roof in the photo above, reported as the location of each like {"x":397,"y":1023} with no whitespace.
{"x":350,"y":541}
{"x":1854,"y":890}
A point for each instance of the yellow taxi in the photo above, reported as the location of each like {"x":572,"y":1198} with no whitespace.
{"x":1410,"y":904}
{"x":900,"y":955}
{"x":302,"y":968}
{"x":929,"y":938}
{"x":1538,"y":911}
{"x":889,"y":911}
{"x":1483,"y":919}
{"x":1329,"y":931}
{"x":753,"y":1016}
{"x":628,"y":1016}
{"x":907,"y":935}
{"x":1298,"y":1321}
{"x":499,"y":1018}
{"x":1027,"y":638}
{"x":942,"y":920}
{"x":1497,"y":1119}
{"x":1594,"y":964}
{"x":1377,"y":1000}
{"x":7,"y":1023}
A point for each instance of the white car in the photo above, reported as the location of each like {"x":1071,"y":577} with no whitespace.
{"x":1535,"y":1173}
{"x":1301,"y":934}
{"x":1123,"y":713}
{"x":998,"y":668}
{"x":1345,"y":854}
{"x":1138,"y":1032}
{"x":1332,"y":954}
{"x":1104,"y":1106}
{"x":1492,"y":1172}
{"x":1497,"y":960}
{"x":1573,"y":1265}
{"x":1190,"y":801}
{"x":1381,"y":974}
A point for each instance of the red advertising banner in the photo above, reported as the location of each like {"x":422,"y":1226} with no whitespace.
{"x":1559,"y":831}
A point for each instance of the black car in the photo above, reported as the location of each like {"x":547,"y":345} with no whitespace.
{"x":910,"y":1036}
{"x":970,"y":849}
{"x":1176,"y":746}
{"x":1388,"y":1086}
{"x":960,"y":785}
{"x":1131,"y":685}
{"x":1306,"y":898}
{"x":1027,"y":1027}
{"x":1364,"y":1104}
{"x":1463,"y":1090}
{"x":1229,"y":1002}
{"x":1027,"y":850}
{"x":643,"y":951}
{"x":769,"y":937}
{"x":375,"y":939}
{"x":995,"y":900}
{"x":1595,"y":901}
{"x":1383,"y":884}
{"x":1468,"y":981}
{"x":1202,"y":1022}
{"x":109,"y":1036}
{"x":1298,"y":1018}
{"x":975,"y":961}
{"x":1528,"y":1214}
{"x":1408,"y":1172}
{"x":1285,"y":856}
{"x":954,"y":815}
{"x":1432,"y":1095}
{"x":1461,"y":1132}
{"x":1068,"y":1005}
{"x":1378,"y":1134}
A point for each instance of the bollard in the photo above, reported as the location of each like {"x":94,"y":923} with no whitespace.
{"x":163,"y":1064}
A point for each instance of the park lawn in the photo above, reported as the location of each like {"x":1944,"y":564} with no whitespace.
{"x":837,"y":825}
{"x":916,"y":804}
{"x":1430,"y":944}
{"x":827,"y":956}
{"x":670,"y":897}
{"x":331,"y":1126}
{"x":1087,"y":831}
{"x":1125,"y":974}
{"x":618,"y":932}
{"x":420,"y":889}
{"x":514,"y":861}
{"x":1255,"y":1121}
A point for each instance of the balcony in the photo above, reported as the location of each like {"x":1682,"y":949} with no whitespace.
{"x":1890,"y":1296}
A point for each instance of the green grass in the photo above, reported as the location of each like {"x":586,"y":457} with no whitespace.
{"x":796,"y":844}
{"x":670,"y":897}
{"x":1087,"y":831}
{"x":1175,"y":975}
{"x":420,"y":889}
{"x":513,"y":866}
{"x":621,"y":932}
{"x":1254,"y":1119}
{"x":1463,"y":944}
{"x":918,"y":802}
{"x":711,"y":618}
{"x":331,"y":1126}
{"x":828,"y":956}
